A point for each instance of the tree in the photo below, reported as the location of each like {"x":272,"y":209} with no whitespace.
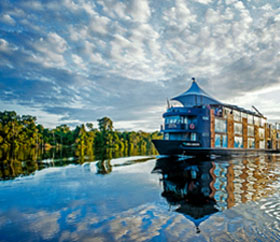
{"x":105,"y":124}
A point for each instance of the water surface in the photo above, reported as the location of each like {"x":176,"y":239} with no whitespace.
{"x":144,"y":198}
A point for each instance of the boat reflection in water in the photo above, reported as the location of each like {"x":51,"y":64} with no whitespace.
{"x":188,"y":185}
{"x":200,"y":188}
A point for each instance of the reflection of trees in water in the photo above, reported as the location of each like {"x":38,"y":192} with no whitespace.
{"x":25,"y":161}
{"x":197,"y":188}
{"x":104,"y":167}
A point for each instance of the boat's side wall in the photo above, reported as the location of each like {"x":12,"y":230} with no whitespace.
{"x":212,"y":129}
{"x":204,"y":126}
{"x":245,"y":132}
{"x":230,"y":131}
{"x":257,"y":140}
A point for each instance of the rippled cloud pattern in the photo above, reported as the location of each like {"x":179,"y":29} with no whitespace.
{"x":76,"y":61}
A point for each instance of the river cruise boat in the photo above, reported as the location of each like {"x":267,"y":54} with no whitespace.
{"x":206,"y":126}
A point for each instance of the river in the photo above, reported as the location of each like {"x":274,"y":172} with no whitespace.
{"x":142,"y":198}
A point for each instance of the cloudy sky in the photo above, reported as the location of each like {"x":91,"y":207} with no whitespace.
{"x":74,"y":61}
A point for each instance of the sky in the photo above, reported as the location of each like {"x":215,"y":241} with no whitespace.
{"x":72,"y":62}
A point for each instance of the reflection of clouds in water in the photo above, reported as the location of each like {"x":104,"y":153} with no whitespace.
{"x":153,"y":222}
{"x":43,"y":224}
{"x":143,"y":223}
{"x":72,"y":217}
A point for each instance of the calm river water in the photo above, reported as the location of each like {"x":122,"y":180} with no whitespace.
{"x":143,"y":198}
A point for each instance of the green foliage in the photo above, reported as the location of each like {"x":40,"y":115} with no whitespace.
{"x":22,"y":131}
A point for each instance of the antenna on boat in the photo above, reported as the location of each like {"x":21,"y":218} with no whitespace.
{"x":168,"y":104}
{"x":193,"y":79}
{"x":257,"y":111}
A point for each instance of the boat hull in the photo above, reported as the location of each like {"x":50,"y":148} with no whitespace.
{"x":177,"y":147}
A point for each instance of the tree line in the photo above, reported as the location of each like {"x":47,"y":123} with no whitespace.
{"x":23,"y":131}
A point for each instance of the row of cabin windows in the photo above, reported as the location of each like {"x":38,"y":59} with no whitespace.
{"x":185,"y":136}
{"x":221,"y":141}
{"x":237,"y":116}
{"x":176,"y":120}
{"x":221,"y":127}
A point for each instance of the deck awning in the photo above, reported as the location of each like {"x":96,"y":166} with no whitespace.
{"x":195,"y":96}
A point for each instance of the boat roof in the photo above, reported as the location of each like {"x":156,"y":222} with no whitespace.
{"x":235,"y":107}
{"x":194,"y":96}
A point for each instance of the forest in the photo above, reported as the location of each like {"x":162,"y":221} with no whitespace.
{"x":23,"y":132}
{"x":26,"y":146}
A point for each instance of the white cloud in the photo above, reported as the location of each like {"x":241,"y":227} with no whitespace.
{"x":98,"y":24}
{"x":232,"y":46}
{"x":78,"y":61}
{"x":33,"y":5}
{"x":6,"y":18}
{"x":57,"y":42}
{"x":4,"y":46}
{"x":139,"y":10}
{"x":50,"y":50}
{"x":204,"y":1}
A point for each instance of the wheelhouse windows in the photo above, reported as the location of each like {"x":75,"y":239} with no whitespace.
{"x":176,"y":120}
{"x":173,"y":120}
{"x":166,"y":136}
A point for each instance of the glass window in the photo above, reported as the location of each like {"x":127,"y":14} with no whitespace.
{"x":238,"y":128}
{"x":262,"y":144}
{"x":250,"y":130}
{"x":175,"y":137}
{"x":224,"y":141}
{"x":238,"y":142}
{"x":172,"y":120}
{"x":250,"y":119}
{"x":220,"y":125}
{"x":251,"y":143}
{"x":166,"y":136}
{"x":193,"y":136}
{"x":261,"y":133}
{"x":217,"y":140}
{"x":256,"y":120}
{"x":263,"y":121}
{"x":227,"y":111}
{"x":244,"y":115}
{"x":236,"y":115}
{"x":220,"y":140}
